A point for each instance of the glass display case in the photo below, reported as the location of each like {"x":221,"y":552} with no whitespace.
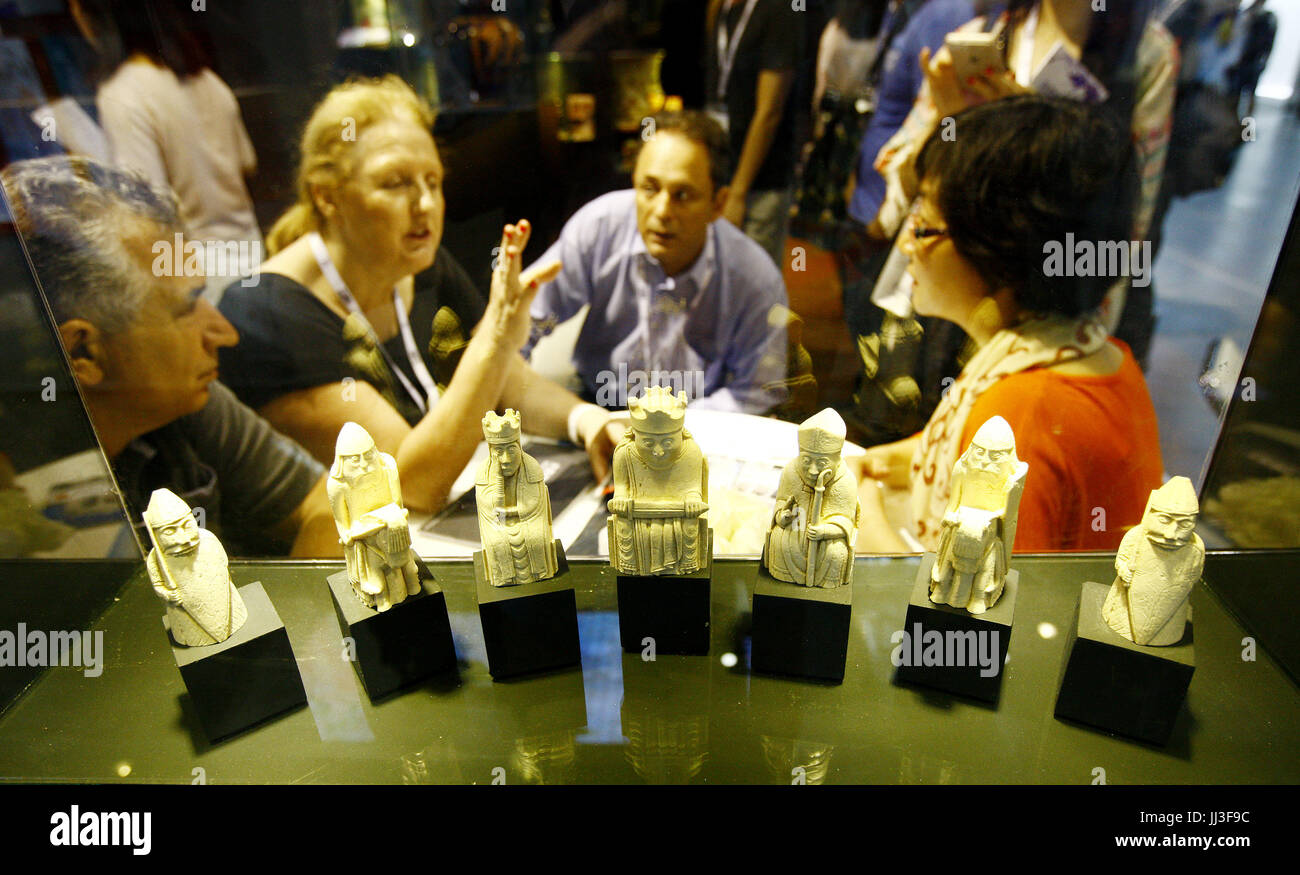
{"x":538,"y":111}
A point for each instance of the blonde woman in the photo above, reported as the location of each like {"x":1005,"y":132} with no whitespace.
{"x":358,"y":316}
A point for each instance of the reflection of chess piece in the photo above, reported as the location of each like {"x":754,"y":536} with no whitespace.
{"x":366,"y":499}
{"x":664,"y":751}
{"x":815,"y":524}
{"x":790,"y":760}
{"x":514,"y":508}
{"x":546,"y":759}
{"x":189,"y":571}
{"x":1156,"y":567}
{"x":798,"y":383}
{"x":979,"y":525}
{"x":657,"y":523}
{"x":887,"y":401}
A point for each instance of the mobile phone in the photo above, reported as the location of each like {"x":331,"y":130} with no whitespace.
{"x":973,"y":54}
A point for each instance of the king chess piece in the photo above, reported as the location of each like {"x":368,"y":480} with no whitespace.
{"x":661,"y":491}
{"x":659,"y":540}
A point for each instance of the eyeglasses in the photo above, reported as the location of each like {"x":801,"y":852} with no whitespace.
{"x":919,"y":231}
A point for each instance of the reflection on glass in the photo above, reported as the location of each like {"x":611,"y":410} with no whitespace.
{"x":56,"y":496}
{"x":793,"y":761}
{"x":666,"y":750}
{"x":545,"y":759}
{"x":927,"y":770}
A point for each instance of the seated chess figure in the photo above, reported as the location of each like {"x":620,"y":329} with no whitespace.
{"x":815,"y":524}
{"x":189,"y":571}
{"x":1156,"y":567}
{"x":661,"y":490}
{"x":979,"y":526}
{"x":514,"y":508}
{"x":366,"y":499}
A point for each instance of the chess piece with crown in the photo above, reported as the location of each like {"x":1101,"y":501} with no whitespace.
{"x":514,"y":508}
{"x":190,"y":572}
{"x":527,"y":603}
{"x":661,"y":490}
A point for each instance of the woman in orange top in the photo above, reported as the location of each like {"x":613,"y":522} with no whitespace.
{"x":1008,"y":208}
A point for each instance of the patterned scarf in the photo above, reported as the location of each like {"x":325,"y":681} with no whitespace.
{"x":1039,"y":343}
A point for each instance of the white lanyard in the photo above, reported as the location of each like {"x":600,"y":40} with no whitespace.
{"x":727,"y":46}
{"x":332,"y":274}
{"x":1025,"y":55}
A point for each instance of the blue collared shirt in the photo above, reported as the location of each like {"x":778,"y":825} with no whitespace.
{"x":717,"y":329}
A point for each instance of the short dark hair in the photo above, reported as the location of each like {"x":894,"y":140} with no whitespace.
{"x":1016,"y":174}
{"x":698,"y":127}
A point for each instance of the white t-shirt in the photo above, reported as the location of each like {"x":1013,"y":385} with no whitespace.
{"x":187,"y":134}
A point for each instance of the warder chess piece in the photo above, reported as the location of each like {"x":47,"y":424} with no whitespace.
{"x":190,"y":572}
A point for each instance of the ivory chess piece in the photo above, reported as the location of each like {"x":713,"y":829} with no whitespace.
{"x":661,"y":491}
{"x":979,"y":525}
{"x":1157,"y":565}
{"x":190,"y":572}
{"x":514,"y":508}
{"x":366,"y":498}
{"x":815,"y":524}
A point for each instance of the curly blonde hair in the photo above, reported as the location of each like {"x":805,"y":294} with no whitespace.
{"x":325,"y":153}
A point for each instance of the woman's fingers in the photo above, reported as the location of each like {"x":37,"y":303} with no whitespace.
{"x":540,"y":273}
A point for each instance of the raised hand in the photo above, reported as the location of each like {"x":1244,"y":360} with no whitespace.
{"x":513,"y":289}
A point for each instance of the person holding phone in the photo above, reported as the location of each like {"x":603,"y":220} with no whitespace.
{"x":1131,"y":59}
{"x":1075,"y":399}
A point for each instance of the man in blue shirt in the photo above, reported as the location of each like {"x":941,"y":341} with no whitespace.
{"x":678,"y":295}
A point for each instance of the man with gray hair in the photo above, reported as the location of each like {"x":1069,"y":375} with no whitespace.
{"x":142,"y":344}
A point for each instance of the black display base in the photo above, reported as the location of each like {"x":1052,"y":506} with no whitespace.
{"x":400,"y":646}
{"x":1111,"y":683}
{"x":248,"y":678}
{"x":801,"y":631}
{"x":673,"y":610}
{"x":529,"y":628}
{"x":963,"y":639}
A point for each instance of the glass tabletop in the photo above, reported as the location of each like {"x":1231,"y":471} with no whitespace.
{"x":623,"y":718}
